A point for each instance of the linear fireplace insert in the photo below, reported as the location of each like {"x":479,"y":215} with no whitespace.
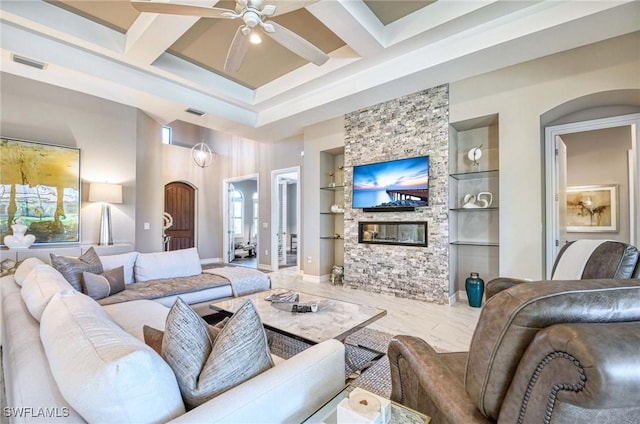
{"x":402,"y":233}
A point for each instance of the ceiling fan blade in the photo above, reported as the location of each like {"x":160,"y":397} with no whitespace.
{"x":297,"y":44}
{"x":237,"y":51}
{"x":181,"y":9}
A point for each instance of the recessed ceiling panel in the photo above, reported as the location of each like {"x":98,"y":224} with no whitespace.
{"x":207,"y":42}
{"x":115,"y":14}
{"x":388,"y":11}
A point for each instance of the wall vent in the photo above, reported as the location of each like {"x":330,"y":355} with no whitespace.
{"x":195,"y":111}
{"x":29,"y":62}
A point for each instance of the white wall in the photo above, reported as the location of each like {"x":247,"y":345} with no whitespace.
{"x":520,"y":95}
{"x":105,"y":132}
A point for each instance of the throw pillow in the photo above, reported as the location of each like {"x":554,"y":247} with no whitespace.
{"x":153,"y":337}
{"x":98,"y":286}
{"x":206,"y":368}
{"x":25,"y":268}
{"x":127,"y":260}
{"x":72,"y":268}
{"x":173,"y":264}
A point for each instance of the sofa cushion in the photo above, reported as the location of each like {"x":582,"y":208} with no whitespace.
{"x":204,"y":368}
{"x":24,"y":269}
{"x":176,"y":263}
{"x":72,"y":268}
{"x":99,"y":286}
{"x":133,"y":315}
{"x":126,"y":260}
{"x":42,"y":283}
{"x":105,"y":374}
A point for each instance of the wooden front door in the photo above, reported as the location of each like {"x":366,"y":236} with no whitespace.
{"x":179,"y":202}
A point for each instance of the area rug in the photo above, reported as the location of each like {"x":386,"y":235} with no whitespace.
{"x":363,"y":366}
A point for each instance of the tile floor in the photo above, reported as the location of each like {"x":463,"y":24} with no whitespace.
{"x":447,"y":327}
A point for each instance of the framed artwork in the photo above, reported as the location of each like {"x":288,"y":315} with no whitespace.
{"x":592,"y":209}
{"x":40,"y":185}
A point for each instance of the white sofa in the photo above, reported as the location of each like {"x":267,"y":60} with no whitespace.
{"x":288,"y":392}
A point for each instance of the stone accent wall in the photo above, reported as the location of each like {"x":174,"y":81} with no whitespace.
{"x":414,"y":125}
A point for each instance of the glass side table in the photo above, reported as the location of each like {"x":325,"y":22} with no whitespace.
{"x":327,"y":414}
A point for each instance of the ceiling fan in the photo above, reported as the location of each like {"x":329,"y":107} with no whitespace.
{"x":253,"y":14}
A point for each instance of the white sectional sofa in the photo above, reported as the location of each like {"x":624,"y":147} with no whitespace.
{"x":68,"y":359}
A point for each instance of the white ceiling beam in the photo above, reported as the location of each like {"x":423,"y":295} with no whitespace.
{"x":437,"y":14}
{"x":152,"y":34}
{"x":353,"y":22}
{"x":120,"y":82}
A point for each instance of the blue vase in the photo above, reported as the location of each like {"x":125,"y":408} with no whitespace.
{"x":474,"y":285}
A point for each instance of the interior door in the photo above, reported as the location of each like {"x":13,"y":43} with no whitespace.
{"x":282,"y":221}
{"x":179,"y":202}
{"x":561,"y":193}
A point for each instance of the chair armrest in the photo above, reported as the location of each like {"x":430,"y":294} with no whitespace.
{"x":421,"y":380}
{"x":593,"y":368}
{"x":501,"y":283}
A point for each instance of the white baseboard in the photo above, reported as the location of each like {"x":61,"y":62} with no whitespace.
{"x":207,"y":261}
{"x":316,"y":278}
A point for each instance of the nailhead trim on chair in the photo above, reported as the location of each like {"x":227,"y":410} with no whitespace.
{"x":556,"y":388}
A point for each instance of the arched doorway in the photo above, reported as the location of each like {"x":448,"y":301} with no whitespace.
{"x":179,"y":202}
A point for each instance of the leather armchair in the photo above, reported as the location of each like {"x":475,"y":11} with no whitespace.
{"x":549,"y":352}
{"x":611,"y":259}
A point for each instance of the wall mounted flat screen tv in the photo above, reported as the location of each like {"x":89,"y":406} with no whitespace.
{"x":402,"y":183}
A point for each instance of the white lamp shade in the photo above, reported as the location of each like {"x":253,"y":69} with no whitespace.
{"x":105,"y":192}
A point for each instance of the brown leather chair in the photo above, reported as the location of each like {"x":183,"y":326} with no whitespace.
{"x":611,"y":259}
{"x":549,"y":352}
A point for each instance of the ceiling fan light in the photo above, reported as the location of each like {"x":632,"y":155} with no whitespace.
{"x":255,"y":39}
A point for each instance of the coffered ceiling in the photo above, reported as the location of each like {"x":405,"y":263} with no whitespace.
{"x":165,"y":64}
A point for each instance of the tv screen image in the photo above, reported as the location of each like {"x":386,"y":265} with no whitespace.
{"x":396,"y":183}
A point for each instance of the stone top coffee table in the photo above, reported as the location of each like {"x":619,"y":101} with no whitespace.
{"x":334,"y":319}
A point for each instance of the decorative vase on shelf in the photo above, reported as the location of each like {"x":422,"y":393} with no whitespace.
{"x":474,"y":285}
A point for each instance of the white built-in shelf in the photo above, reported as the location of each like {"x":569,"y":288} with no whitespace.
{"x":333,"y":188}
{"x":475,"y":174}
{"x":475,"y":243}
{"x":491,"y":208}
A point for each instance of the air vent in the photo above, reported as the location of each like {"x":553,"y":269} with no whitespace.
{"x":195,"y":111}
{"x":29,"y":62}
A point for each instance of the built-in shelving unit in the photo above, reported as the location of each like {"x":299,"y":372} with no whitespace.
{"x":474,"y":222}
{"x":331,"y":223}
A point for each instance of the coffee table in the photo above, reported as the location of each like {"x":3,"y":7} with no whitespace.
{"x":335,"y":319}
{"x":400,"y":414}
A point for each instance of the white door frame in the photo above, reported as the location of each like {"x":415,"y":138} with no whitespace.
{"x":274,"y":215}
{"x":632,"y":120}
{"x":225,"y":213}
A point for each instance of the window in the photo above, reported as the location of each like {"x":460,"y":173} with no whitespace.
{"x":237,"y":206}
{"x":254,"y":229}
{"x":167,"y":135}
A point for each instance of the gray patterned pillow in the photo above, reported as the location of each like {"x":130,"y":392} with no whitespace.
{"x":72,"y":268}
{"x":153,"y":337}
{"x":205,"y":369}
{"x":99,"y":286}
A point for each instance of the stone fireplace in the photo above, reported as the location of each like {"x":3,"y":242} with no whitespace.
{"x":408,"y":126}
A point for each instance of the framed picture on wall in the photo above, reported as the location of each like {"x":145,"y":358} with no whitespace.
{"x":592,"y":209}
{"x":40,"y":186}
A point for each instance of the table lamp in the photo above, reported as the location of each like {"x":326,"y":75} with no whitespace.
{"x":107,"y":194}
